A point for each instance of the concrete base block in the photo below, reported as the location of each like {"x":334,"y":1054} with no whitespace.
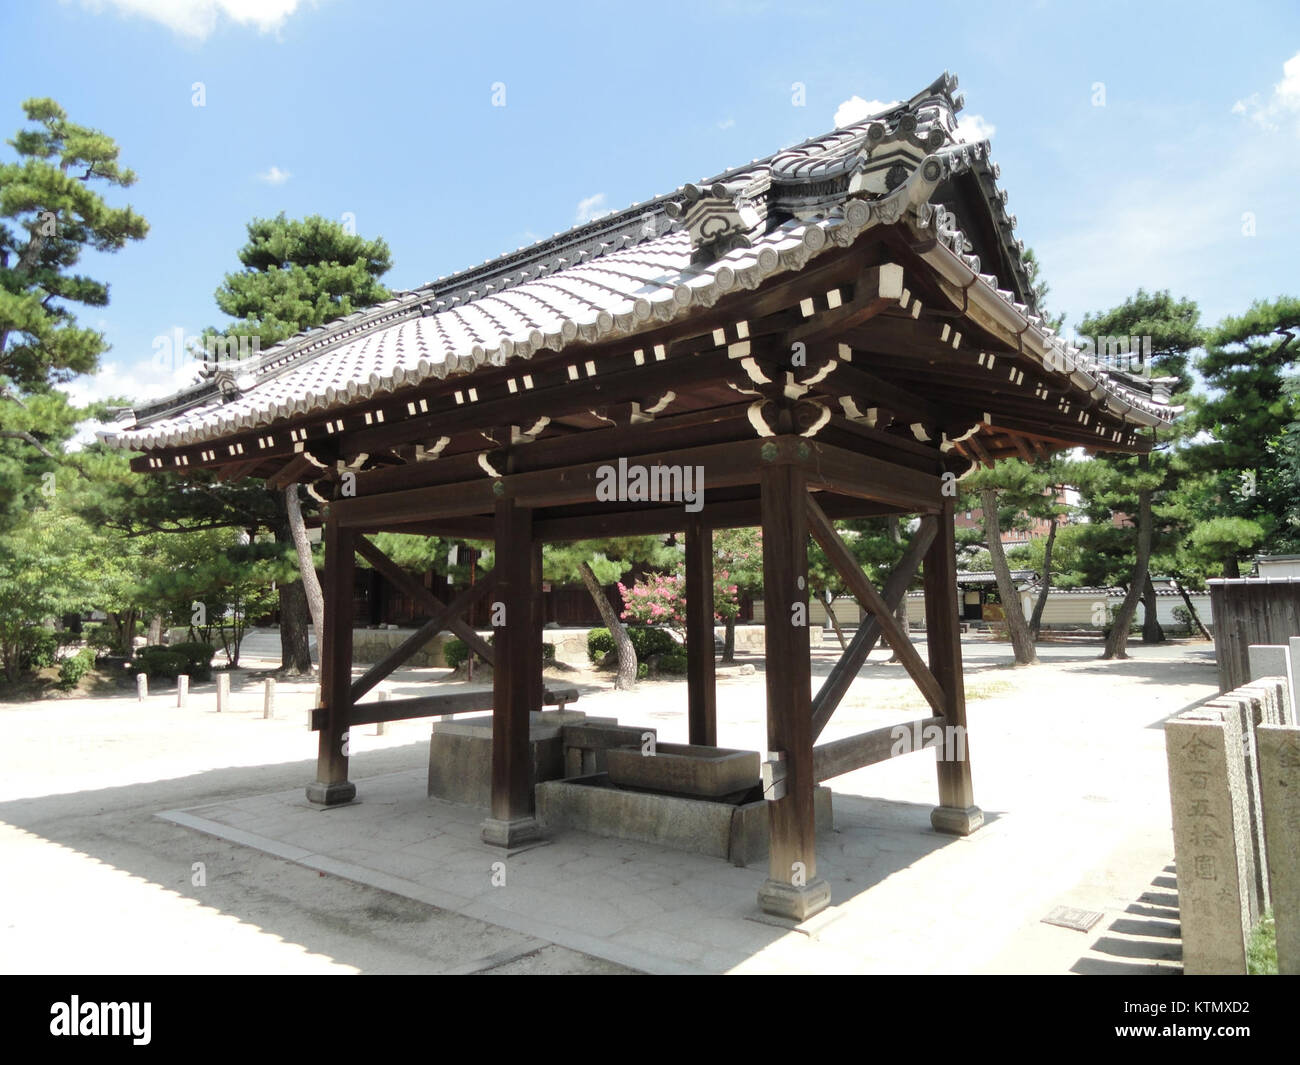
{"x":331,"y":794}
{"x":460,"y":755}
{"x":794,"y":903}
{"x":956,"y":821}
{"x":511,"y":834}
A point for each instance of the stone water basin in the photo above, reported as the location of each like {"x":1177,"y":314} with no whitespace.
{"x":684,"y":769}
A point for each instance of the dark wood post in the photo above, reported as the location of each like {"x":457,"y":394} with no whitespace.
{"x":792,"y":889}
{"x":537,"y":618}
{"x":332,"y":786}
{"x":517,"y":659}
{"x":701,"y":694}
{"x":956,"y":812}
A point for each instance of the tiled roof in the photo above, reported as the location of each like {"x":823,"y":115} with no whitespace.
{"x":646,"y":265}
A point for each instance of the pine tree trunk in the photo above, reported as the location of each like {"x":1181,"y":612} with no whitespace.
{"x":295,"y":646}
{"x":1022,"y":642}
{"x":1151,"y":630}
{"x":900,"y":612}
{"x":1036,"y":622}
{"x":306,"y":565}
{"x":835,"y":624}
{"x":1187,"y":599}
{"x":1117,"y":641}
{"x":295,"y":642}
{"x":626,"y":680}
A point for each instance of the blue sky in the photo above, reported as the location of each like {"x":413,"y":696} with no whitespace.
{"x":1139,"y":144}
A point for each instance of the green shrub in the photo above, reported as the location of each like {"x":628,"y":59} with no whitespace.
{"x":98,"y":636}
{"x":74,"y":667}
{"x":39,"y":650}
{"x":599,"y":644}
{"x":651,"y":640}
{"x":455,"y":652}
{"x":160,"y":662}
{"x":673,"y":662}
{"x":198,"y":657}
{"x":646,"y":640}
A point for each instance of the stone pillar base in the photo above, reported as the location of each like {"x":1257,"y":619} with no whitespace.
{"x":331,"y":794}
{"x":794,"y":903}
{"x":510,"y":834}
{"x":956,"y":821}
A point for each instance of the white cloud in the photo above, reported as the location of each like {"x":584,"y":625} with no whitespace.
{"x":726,"y":123}
{"x":971,"y":128}
{"x":855,"y":109}
{"x":591,"y":208}
{"x":198,"y":18}
{"x":274,"y":176}
{"x":1282,"y":106}
{"x":137,"y":385}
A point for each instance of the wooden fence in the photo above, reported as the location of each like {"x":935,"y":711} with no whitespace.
{"x":1251,"y":610}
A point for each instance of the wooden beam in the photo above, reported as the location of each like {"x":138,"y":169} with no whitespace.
{"x":875,"y":289}
{"x":441,"y":705}
{"x":413,"y":643}
{"x":844,"y":472}
{"x":867,"y":596}
{"x":842,"y":674}
{"x":701,"y":695}
{"x":867,"y":748}
{"x":404,"y":582}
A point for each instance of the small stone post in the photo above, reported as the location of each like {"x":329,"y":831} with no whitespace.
{"x":1279,"y":763}
{"x":381,"y":727}
{"x":141,"y":686}
{"x":1211,"y":840}
{"x":1249,"y":707}
{"x":183,"y":690}
{"x":1269,"y":661}
{"x":268,"y":700}
{"x":223,"y":691}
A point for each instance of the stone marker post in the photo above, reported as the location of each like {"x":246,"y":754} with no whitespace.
{"x":183,"y":690}
{"x":1279,"y":763}
{"x":381,"y":727}
{"x":223,"y":691}
{"x":1270,"y":661}
{"x":1247,"y":706}
{"x":268,"y":700}
{"x":1211,"y":840}
{"x":141,"y":686}
{"x":1293,"y":660}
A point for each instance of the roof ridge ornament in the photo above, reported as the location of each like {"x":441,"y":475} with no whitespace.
{"x":719,"y":219}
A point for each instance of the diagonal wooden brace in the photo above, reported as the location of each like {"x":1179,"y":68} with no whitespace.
{"x":440,"y":620}
{"x":865,"y":592}
{"x":406,"y":583}
{"x":864,"y":640}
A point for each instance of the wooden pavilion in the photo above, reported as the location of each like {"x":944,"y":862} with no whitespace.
{"x":839,"y":330}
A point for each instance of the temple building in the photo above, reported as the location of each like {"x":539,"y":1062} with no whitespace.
{"x":841,"y":329}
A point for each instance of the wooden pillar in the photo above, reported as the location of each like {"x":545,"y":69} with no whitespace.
{"x":792,"y":889}
{"x":332,"y":786}
{"x":701,"y":694}
{"x":517,"y":661}
{"x":536,"y":620}
{"x":956,"y":812}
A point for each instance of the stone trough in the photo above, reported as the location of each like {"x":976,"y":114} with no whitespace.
{"x":707,"y":800}
{"x":591,"y":775}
